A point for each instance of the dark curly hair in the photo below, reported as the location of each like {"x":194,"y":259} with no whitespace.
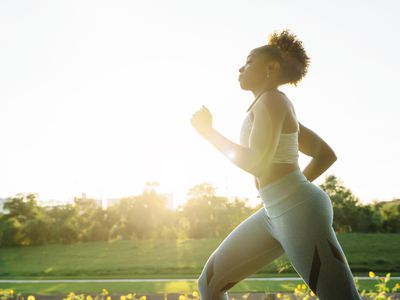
{"x":288,"y":50}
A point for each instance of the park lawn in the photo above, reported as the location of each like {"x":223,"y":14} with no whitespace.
{"x":175,"y":258}
{"x":143,"y":288}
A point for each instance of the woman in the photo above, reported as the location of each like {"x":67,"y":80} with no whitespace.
{"x":296,"y":217}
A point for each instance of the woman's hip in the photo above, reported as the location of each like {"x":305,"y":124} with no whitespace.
{"x":294,"y":190}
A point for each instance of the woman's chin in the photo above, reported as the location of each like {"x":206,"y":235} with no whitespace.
{"x":243,"y":86}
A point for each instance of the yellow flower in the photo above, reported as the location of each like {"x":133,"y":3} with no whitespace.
{"x":108,"y":298}
{"x":181,"y":297}
{"x":105,"y":292}
{"x":371,"y":274}
{"x":312,"y":293}
{"x":88,"y":297}
{"x":279,"y":295}
{"x":11,"y":291}
{"x":122,"y":298}
{"x":130,"y":296}
{"x":143,"y":298}
{"x":195,"y":294}
{"x":31,"y":297}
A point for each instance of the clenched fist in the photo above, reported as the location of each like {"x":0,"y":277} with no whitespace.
{"x":202,"y":121}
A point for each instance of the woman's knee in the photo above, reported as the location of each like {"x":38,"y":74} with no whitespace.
{"x":204,"y":288}
{"x":201,"y":285}
{"x":210,"y":291}
{"x":207,"y":273}
{"x":209,"y":286}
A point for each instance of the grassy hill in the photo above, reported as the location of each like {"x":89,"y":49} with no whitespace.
{"x":174,"y":258}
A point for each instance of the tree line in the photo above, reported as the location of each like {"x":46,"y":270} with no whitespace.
{"x":203,"y":215}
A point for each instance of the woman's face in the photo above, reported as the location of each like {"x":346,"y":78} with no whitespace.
{"x":253,"y":73}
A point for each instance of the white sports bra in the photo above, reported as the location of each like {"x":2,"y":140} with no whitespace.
{"x":288,"y":147}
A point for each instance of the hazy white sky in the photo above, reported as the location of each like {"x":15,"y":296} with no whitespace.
{"x":96,"y":96}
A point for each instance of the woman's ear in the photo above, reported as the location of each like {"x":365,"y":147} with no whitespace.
{"x":273,"y":66}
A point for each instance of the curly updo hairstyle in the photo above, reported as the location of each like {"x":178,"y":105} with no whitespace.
{"x":288,"y":50}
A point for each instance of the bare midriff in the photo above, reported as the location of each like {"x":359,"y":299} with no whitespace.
{"x":274,"y":172}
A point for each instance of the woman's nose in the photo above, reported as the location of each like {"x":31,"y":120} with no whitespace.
{"x":241,"y":69}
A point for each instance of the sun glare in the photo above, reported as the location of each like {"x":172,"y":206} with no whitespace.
{"x":231,"y":155}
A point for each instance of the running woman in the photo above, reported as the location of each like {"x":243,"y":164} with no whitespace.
{"x":296,"y":217}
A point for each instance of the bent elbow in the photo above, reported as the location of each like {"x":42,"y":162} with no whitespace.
{"x":330,"y":157}
{"x":328,"y":153}
{"x":333,"y":157}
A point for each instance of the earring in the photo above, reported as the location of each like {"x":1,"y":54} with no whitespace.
{"x":267,"y":75}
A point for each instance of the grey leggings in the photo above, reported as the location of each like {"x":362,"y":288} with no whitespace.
{"x":297,"y":220}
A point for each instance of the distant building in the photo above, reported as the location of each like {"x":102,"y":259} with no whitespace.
{"x":49,"y":203}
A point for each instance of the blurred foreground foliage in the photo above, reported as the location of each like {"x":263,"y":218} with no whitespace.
{"x":382,"y":291}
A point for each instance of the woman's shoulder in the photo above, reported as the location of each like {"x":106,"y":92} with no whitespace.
{"x":275,"y":99}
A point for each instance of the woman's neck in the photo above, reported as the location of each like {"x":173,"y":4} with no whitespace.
{"x":263,"y":88}
{"x":258,"y":92}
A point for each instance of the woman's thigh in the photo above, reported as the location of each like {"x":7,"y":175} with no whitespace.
{"x":243,"y":252}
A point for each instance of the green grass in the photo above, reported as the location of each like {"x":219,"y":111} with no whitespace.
{"x":174,"y":258}
{"x":170,"y":259}
{"x":159,"y":287}
{"x":372,"y":252}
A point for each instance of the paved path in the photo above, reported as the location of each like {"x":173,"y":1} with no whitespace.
{"x":152,"y":280}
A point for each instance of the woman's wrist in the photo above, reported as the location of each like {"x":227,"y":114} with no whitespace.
{"x":207,"y":133}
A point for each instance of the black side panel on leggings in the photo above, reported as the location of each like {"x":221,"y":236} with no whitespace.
{"x":336,"y":252}
{"x":315,"y":268}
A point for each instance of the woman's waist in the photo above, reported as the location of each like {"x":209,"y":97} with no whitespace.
{"x":282,"y":187}
{"x":275,"y":172}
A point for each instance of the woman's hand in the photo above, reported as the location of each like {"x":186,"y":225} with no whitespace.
{"x":202,"y":121}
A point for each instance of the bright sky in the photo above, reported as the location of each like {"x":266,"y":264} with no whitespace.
{"x":96,"y":96}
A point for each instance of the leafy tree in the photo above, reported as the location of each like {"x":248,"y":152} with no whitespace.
{"x":204,"y":214}
{"x":64,"y":224}
{"x":141,"y":216}
{"x":209,"y":215}
{"x":11,"y":233}
{"x":25,"y":223}
{"x":390,"y":218}
{"x":345,"y":204}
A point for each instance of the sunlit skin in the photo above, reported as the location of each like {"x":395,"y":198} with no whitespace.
{"x":272,"y":114}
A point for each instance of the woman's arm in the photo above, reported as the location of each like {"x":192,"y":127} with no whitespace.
{"x":269,"y":114}
{"x":242,"y":157}
{"x":256,"y":183}
{"x":322,"y":155}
